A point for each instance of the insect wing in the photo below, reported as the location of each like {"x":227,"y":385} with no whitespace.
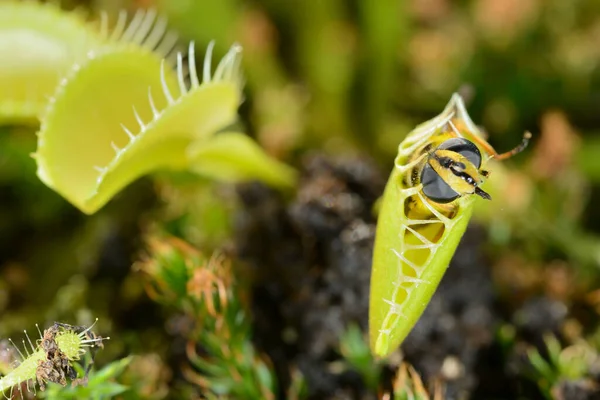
{"x":411,"y":255}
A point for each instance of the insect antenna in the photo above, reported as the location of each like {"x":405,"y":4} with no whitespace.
{"x":516,"y":150}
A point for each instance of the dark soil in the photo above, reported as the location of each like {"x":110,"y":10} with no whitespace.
{"x":312,"y":257}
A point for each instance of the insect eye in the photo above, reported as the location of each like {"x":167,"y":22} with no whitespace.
{"x":435,"y":187}
{"x":465,"y":148}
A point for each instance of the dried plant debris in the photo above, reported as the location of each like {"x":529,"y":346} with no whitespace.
{"x":556,"y":148}
{"x":55,"y":367}
{"x":408,"y":385}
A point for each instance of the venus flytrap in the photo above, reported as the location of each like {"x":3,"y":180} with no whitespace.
{"x":112,"y":108}
{"x":423,"y":214}
{"x":123,"y":113}
{"x":408,"y":265}
{"x":89,"y":142}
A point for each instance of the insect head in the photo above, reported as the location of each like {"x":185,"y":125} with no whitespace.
{"x":453,"y":169}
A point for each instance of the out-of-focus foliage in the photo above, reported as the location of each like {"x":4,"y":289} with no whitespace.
{"x":570,"y":366}
{"x":38,"y":44}
{"x":357,"y":353}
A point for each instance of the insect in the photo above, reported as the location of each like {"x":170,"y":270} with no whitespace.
{"x":450,"y":166}
{"x":428,"y":201}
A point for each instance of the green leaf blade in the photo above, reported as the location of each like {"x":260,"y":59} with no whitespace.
{"x":233,"y":156}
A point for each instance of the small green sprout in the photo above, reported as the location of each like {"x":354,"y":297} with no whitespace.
{"x":298,"y":388}
{"x":355,"y":350}
{"x":407,"y":384}
{"x":569,"y":364}
{"x":51,"y":358}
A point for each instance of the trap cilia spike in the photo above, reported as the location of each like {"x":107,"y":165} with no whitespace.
{"x":426,"y":207}
{"x":50,"y":358}
{"x":145,"y":29}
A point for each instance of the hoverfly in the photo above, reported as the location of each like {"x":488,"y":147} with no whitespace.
{"x":426,"y":207}
{"x":449,"y":167}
